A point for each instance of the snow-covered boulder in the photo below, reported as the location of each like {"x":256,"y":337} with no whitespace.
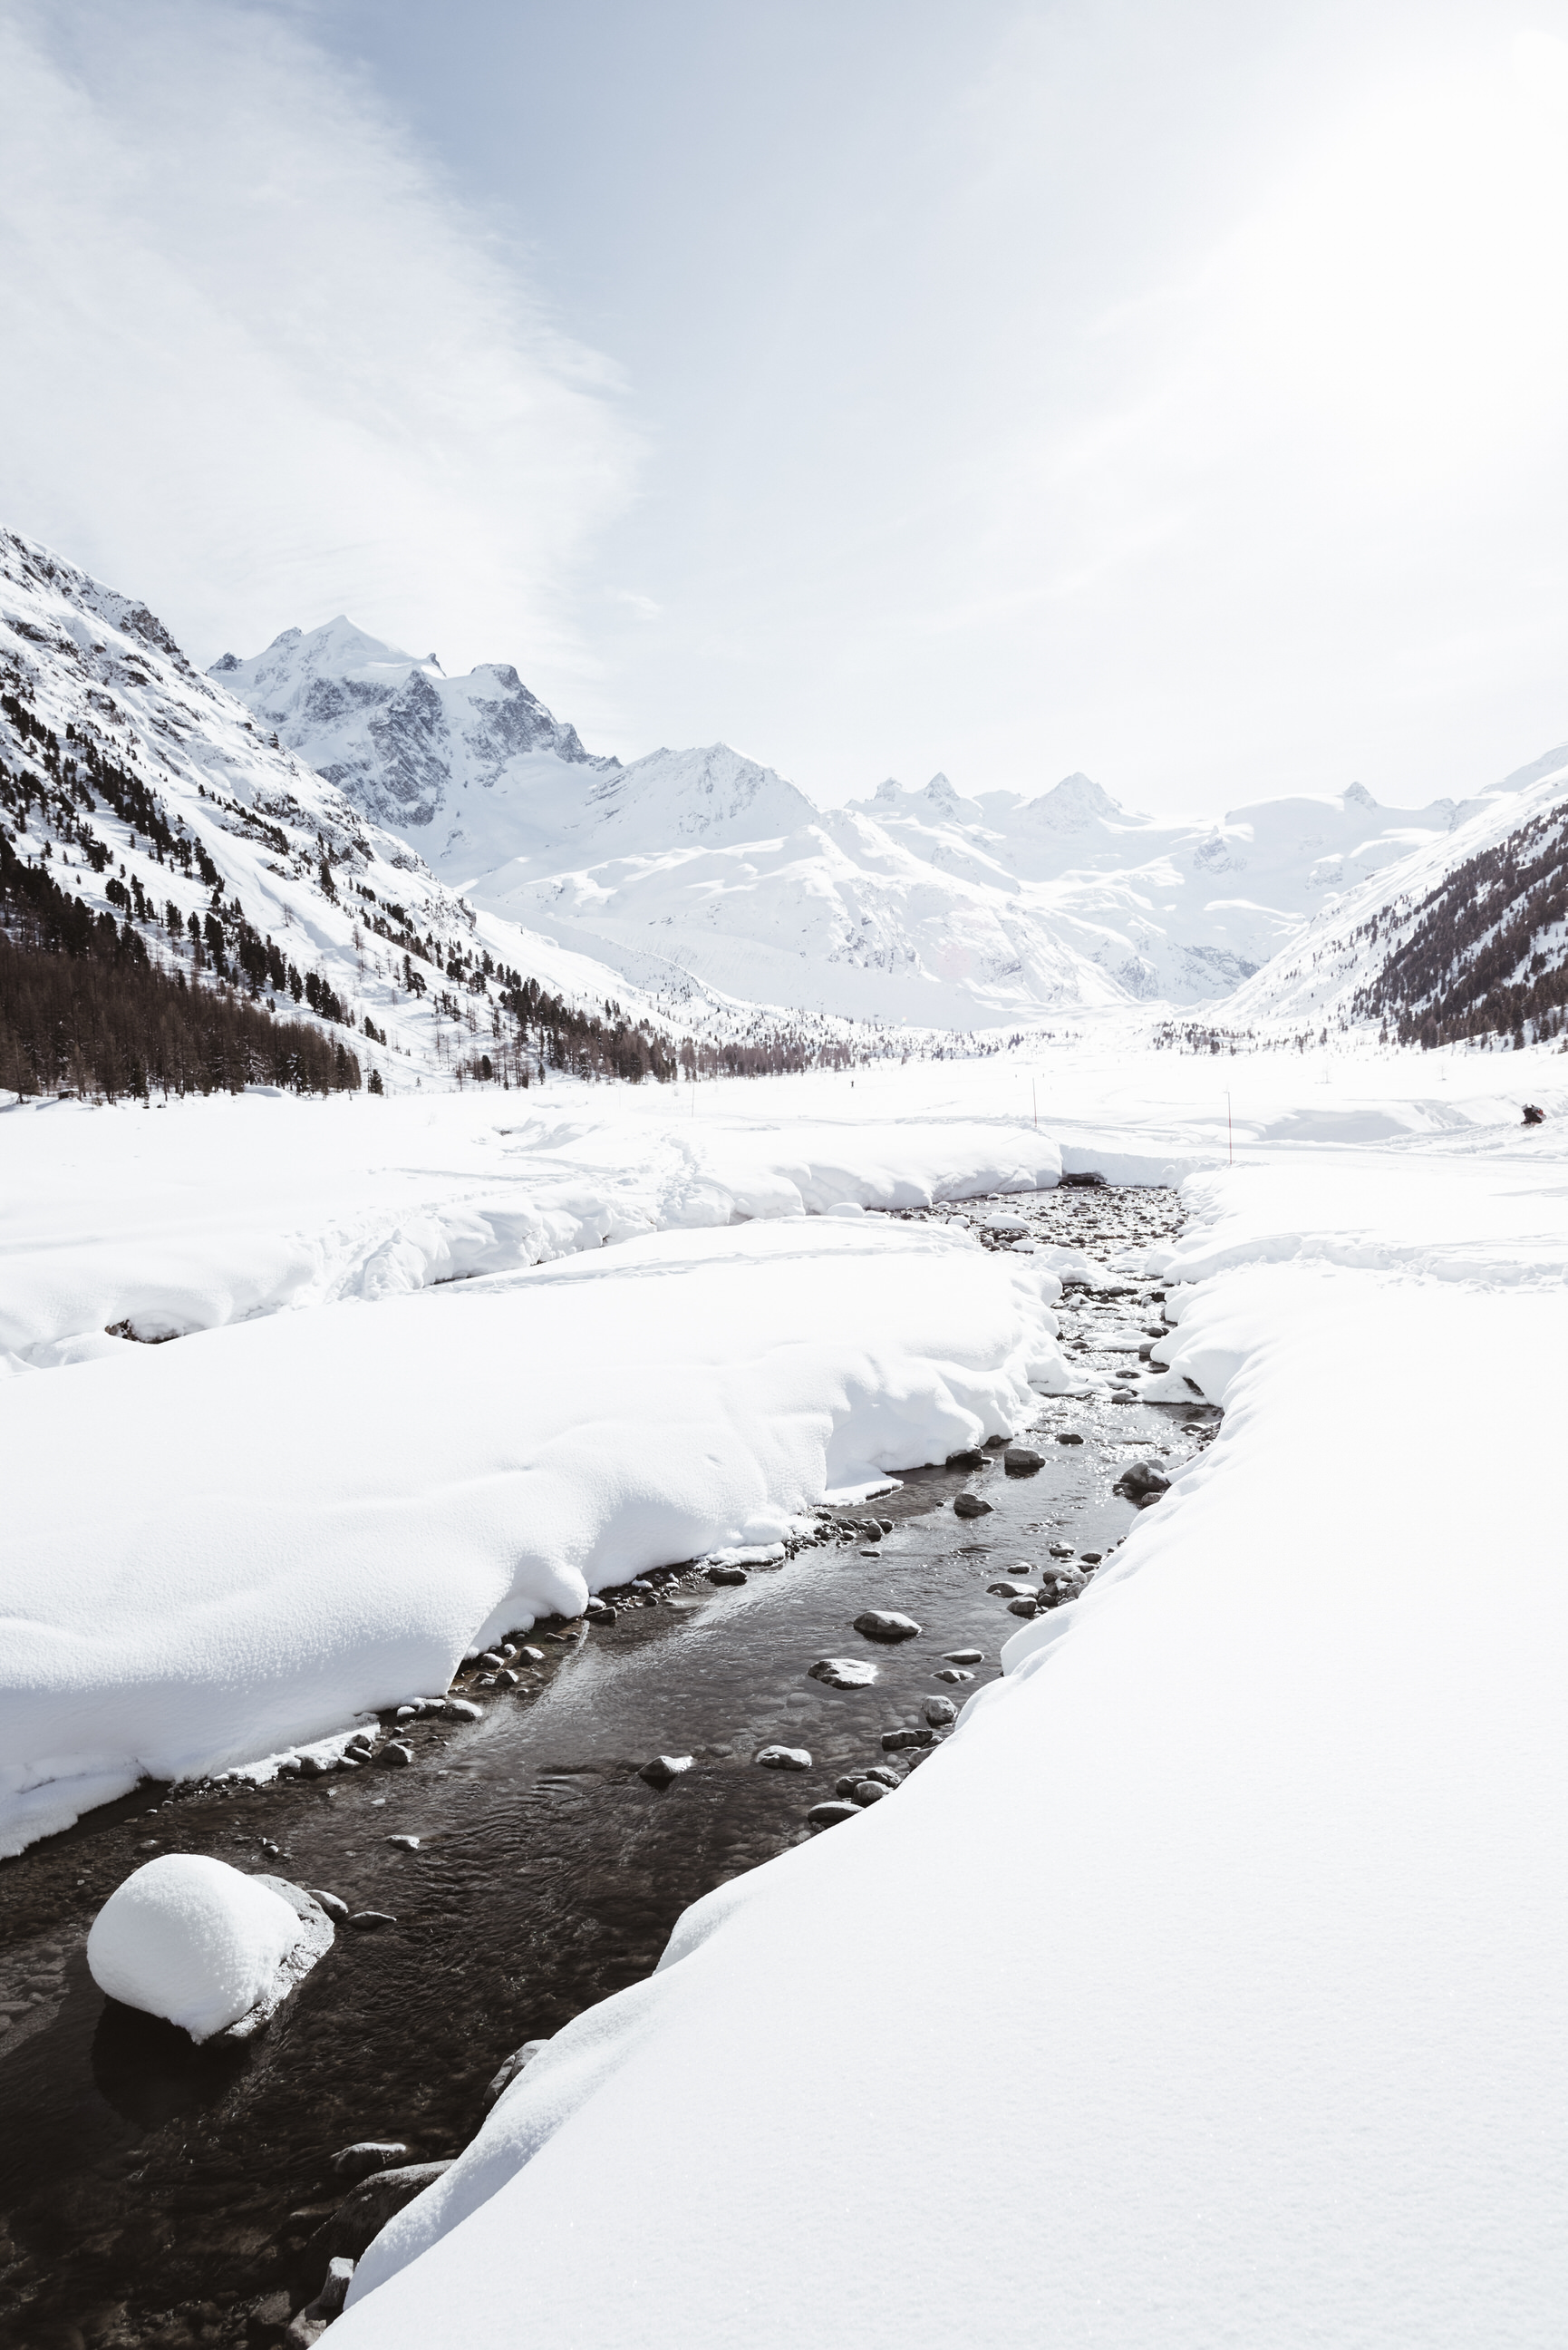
{"x":192,"y":1939}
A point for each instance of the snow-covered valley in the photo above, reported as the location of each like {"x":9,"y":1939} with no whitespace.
{"x":1013,"y":1548}
{"x":1267,"y":1725}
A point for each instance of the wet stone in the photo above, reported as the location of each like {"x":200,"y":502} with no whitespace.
{"x":785,"y":1757}
{"x":519,"y":2060}
{"x":886,"y":1624}
{"x":1141,"y":1477}
{"x":355,"y":2162}
{"x":828,"y":1815}
{"x":1022,"y":1461}
{"x":727,"y":1575}
{"x":843,"y":1672}
{"x":953,"y":1673}
{"x":370,"y":1921}
{"x":665,"y":1768}
{"x":969,"y":1506}
{"x":970,"y":1457}
{"x":1068,"y":1436}
{"x":395,"y":1756}
{"x":940,"y":1712}
{"x":356,"y":2223}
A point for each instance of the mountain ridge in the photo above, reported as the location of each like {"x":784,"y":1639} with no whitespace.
{"x":925,"y":905}
{"x":929,"y":905}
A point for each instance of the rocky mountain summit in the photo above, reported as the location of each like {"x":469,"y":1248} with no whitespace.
{"x":405,"y":742}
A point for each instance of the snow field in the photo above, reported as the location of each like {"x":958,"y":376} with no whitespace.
{"x":185,"y":1219}
{"x":1206,"y":1987}
{"x":219,"y":1548}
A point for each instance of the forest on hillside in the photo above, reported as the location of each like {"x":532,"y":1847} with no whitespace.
{"x":84,"y":1009}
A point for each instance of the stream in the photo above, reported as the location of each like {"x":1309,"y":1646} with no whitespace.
{"x":155,"y":2194}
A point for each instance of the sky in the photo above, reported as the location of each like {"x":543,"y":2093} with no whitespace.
{"x":1169,"y":392}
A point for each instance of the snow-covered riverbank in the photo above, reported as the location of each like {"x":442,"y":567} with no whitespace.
{"x":225,"y":1547}
{"x":1207,"y":1986}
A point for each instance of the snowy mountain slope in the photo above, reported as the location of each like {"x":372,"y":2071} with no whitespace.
{"x":1200,"y":905}
{"x":1466,"y":936}
{"x":238,"y":836}
{"x":723,"y":865}
{"x":922,"y":906}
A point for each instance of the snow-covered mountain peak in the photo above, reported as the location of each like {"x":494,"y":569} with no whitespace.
{"x":707,"y":792}
{"x":337,"y":650}
{"x":938,"y":802}
{"x":414,"y":748}
{"x":1077,"y":803}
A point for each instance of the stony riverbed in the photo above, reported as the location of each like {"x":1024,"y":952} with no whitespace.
{"x":521,"y":1863}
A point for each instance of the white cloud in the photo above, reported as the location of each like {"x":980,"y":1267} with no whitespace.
{"x":260,"y":365}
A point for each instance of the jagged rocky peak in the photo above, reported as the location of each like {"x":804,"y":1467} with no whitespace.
{"x":939,"y":800}
{"x":402,"y":739}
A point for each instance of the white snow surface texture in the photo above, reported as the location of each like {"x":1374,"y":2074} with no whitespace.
{"x":1207,"y":1987}
{"x":192,"y":1939}
{"x":305,"y":1516}
{"x":217,"y":1212}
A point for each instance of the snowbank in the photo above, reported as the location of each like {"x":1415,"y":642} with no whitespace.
{"x":1207,"y":1986}
{"x":219,"y":1548}
{"x":190,"y":1938}
{"x":164,"y":1221}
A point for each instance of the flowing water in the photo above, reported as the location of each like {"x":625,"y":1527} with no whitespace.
{"x":152,"y":2192}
